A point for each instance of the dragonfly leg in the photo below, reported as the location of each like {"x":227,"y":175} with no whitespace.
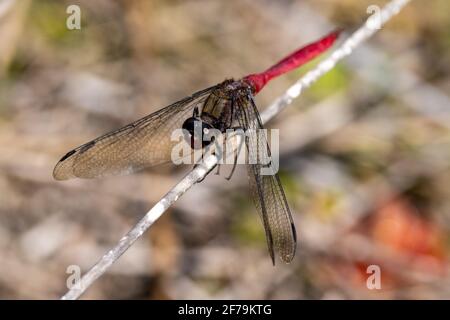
{"x":195,"y":113}
{"x":234,"y":166}
{"x":236,"y":154}
{"x":218,"y":170}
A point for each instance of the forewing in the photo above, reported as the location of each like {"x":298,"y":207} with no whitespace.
{"x":267,"y":191}
{"x":143,"y":143}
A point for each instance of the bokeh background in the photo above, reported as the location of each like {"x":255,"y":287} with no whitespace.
{"x":364,"y":153}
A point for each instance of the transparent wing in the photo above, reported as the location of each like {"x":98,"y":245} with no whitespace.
{"x":143,"y":143}
{"x":267,"y":191}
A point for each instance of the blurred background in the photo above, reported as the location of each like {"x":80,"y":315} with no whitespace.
{"x":365,"y":152}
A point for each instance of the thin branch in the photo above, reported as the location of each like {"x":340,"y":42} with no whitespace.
{"x":356,"y":39}
{"x":5,"y":7}
{"x":201,"y":171}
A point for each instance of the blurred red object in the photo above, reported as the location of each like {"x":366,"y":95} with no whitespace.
{"x":402,"y":239}
{"x":398,"y":226}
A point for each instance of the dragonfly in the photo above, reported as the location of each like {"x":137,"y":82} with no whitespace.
{"x":147,"y":142}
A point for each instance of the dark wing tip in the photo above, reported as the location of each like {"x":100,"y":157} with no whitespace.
{"x":68,"y":154}
{"x":59,"y":172}
{"x":287,"y":258}
{"x":294,"y":232}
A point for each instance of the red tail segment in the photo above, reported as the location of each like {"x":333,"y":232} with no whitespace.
{"x":294,"y":60}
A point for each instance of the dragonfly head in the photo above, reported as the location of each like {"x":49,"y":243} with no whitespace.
{"x":195,"y":131}
{"x":232,"y":87}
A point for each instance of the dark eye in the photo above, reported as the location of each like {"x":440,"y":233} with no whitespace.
{"x":196,"y":129}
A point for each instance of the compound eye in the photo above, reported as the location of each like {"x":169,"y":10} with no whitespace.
{"x":189,"y":124}
{"x":195,"y":132}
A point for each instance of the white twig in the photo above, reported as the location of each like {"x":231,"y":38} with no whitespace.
{"x":209,"y":162}
{"x":358,"y":37}
{"x":5,"y":6}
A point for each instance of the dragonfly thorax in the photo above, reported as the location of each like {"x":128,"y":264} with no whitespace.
{"x":217,"y":113}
